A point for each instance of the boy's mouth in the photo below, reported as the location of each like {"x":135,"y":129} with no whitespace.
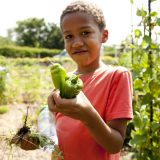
{"x":79,"y":51}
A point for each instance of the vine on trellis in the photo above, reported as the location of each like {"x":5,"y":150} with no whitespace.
{"x":145,"y":59}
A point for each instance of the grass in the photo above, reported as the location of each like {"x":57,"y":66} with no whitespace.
{"x":29,"y":80}
{"x":3,"y":109}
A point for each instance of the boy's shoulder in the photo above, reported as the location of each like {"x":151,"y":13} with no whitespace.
{"x":116,"y":72}
{"x":116,"y":69}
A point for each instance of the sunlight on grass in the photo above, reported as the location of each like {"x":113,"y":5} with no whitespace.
{"x":3,"y":109}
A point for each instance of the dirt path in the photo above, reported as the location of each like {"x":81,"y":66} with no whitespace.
{"x":9,"y":122}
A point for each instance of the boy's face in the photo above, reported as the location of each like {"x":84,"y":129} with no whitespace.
{"x":82,"y":38}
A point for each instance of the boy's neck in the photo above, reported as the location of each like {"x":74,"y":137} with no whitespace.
{"x":88,"y":69}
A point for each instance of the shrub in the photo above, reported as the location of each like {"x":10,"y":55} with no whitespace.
{"x":2,"y":84}
{"x":17,"y":51}
{"x":109,"y":60}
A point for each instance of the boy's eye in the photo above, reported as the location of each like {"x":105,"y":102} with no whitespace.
{"x":68,"y":36}
{"x":85,"y":33}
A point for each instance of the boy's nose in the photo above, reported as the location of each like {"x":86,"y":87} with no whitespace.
{"x":77,"y":43}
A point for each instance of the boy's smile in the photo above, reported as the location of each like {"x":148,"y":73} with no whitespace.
{"x":79,"y":51}
{"x":83,"y":40}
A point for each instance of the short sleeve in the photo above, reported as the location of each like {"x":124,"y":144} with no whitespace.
{"x":119,"y":104}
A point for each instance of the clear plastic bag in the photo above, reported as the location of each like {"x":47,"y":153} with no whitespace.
{"x":46,"y":127}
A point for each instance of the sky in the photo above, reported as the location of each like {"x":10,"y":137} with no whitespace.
{"x":118,"y":13}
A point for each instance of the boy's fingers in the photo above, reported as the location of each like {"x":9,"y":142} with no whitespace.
{"x":51,"y":103}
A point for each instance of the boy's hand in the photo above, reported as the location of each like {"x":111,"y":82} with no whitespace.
{"x":77,"y":108}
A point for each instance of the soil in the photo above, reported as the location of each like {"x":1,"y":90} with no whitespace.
{"x":10,"y":122}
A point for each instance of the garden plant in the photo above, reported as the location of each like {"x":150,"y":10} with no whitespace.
{"x":144,"y":58}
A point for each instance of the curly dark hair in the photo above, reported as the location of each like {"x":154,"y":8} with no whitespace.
{"x":88,"y":8}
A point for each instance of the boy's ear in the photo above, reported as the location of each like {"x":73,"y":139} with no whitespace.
{"x":105,"y":36}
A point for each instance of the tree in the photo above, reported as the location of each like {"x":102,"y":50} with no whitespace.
{"x":5,"y":41}
{"x":35,"y":32}
{"x":54,"y":38}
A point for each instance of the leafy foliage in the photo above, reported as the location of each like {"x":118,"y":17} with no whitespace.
{"x":145,"y":66}
{"x":3,"y":74}
{"x":17,"y":51}
{"x":34,"y":32}
{"x":5,"y":41}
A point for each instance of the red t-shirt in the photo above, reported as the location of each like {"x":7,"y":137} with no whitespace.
{"x":109,"y":90}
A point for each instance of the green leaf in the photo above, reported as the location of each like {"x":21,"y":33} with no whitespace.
{"x":137,"y":33}
{"x":131,"y":1}
{"x":154,"y":14}
{"x":132,"y":46}
{"x":147,"y":39}
{"x":147,"y":98}
{"x":138,"y":12}
{"x":138,"y":83}
{"x":141,"y":12}
{"x":153,"y":46}
{"x":138,"y":139}
{"x":154,"y":84}
{"x":158,"y":21}
{"x":137,"y":120}
{"x":144,"y":44}
{"x":155,"y":126}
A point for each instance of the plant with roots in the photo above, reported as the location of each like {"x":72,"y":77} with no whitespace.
{"x":27,"y":138}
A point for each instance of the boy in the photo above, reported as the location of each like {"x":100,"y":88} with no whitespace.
{"x":91,"y":126}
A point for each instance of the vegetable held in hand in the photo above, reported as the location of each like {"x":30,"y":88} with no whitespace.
{"x":69,"y":85}
{"x":72,"y":86}
{"x":58,"y":75}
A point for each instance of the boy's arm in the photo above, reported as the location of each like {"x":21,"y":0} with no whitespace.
{"x":109,"y":135}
